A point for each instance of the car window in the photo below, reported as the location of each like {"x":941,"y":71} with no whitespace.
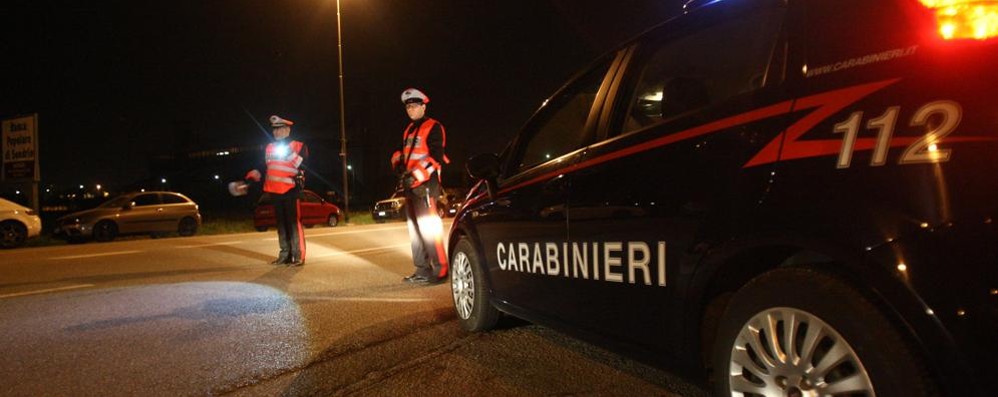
{"x":559,"y":128}
{"x":146,"y":199}
{"x":311,"y":197}
{"x":173,"y":199}
{"x":677,"y":75}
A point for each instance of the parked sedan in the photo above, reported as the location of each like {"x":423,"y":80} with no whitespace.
{"x":314,"y":211}
{"x":152,"y":213}
{"x":17,"y":224}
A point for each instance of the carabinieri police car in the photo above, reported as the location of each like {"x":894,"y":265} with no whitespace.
{"x":791,"y":197}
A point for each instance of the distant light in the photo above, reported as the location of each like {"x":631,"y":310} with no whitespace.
{"x":547,"y":156}
{"x":142,"y":190}
{"x":106,"y":194}
{"x":930,"y":312}
{"x":961,"y":312}
{"x":17,"y":192}
{"x":349,"y":167}
{"x":924,"y":225}
{"x":902,"y":267}
{"x":81,"y":186}
{"x":933,"y":148}
{"x":48,"y":190}
{"x":216,"y":177}
{"x":163,"y":180}
{"x":804,"y":69}
{"x":98,"y":186}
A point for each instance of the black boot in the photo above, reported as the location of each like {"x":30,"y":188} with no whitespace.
{"x":281,"y":260}
{"x":295,"y":261}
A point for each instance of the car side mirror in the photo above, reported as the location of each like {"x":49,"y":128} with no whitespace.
{"x":484,"y":167}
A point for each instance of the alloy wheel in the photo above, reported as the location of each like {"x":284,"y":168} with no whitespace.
{"x":463,"y":285}
{"x":789,"y":352}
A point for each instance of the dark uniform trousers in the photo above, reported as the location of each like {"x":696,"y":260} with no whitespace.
{"x":426,"y":229}
{"x":290,"y":236}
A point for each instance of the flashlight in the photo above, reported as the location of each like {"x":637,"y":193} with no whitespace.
{"x":281,"y":150}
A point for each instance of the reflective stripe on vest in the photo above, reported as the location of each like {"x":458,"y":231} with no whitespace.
{"x":283,"y":161}
{"x":419,"y":161}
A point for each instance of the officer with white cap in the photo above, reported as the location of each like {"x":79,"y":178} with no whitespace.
{"x":282,"y":187}
{"x":418,"y":163}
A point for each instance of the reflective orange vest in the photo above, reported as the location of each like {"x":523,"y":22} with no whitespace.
{"x":283,"y":160}
{"x":419,"y":162}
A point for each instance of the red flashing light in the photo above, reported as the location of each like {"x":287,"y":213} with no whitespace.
{"x":965,"y":19}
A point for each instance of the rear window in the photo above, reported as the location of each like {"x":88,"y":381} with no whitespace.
{"x":682,"y":74}
{"x":173,"y":199}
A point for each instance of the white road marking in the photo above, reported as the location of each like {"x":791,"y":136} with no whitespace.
{"x":42,"y":291}
{"x":94,"y":255}
{"x":360,"y":251}
{"x":210,"y":244}
{"x":357,"y":299}
{"x":380,"y":229}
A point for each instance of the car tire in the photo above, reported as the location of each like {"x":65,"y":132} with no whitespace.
{"x":333,"y":220}
{"x":842,"y":341}
{"x":261,"y":228}
{"x":105,"y":231}
{"x":187,"y":227}
{"x":470,"y":289}
{"x":12,"y":234}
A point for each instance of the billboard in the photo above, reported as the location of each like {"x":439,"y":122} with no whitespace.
{"x":20,"y":149}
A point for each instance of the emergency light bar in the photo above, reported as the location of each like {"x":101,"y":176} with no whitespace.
{"x":965,"y":19}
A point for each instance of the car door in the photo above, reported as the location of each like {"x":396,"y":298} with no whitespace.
{"x":311,"y":209}
{"x":144,"y":214}
{"x":527,"y":214}
{"x":173,"y":209}
{"x":668,"y":182}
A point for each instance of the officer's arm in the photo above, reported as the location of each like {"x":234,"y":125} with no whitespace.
{"x":303,"y":152}
{"x":435,"y":141}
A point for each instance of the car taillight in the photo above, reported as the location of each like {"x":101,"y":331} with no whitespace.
{"x":965,"y":19}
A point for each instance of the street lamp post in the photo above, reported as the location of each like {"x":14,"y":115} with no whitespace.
{"x":343,"y":123}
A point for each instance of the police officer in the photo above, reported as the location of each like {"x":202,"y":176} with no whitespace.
{"x":282,"y":187}
{"x":418,"y":164}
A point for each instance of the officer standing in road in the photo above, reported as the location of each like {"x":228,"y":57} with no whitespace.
{"x":418,"y":164}
{"x":282,"y":187}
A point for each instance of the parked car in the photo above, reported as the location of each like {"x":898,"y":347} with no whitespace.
{"x":812,"y":195}
{"x":153,"y":213}
{"x":389,"y":208}
{"x":394,"y":206}
{"x":451,"y":201}
{"x":17,"y":224}
{"x":314,"y":211}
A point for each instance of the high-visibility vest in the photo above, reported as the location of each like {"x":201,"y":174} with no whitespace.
{"x":419,"y":163}
{"x":283,"y":160}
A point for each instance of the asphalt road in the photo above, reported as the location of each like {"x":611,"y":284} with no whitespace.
{"x":209,"y":315}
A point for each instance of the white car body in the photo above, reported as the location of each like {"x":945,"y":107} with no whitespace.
{"x":15,"y":213}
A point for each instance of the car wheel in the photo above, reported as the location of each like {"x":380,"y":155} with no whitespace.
{"x":797,"y":331}
{"x":333,"y":220}
{"x":261,"y":228}
{"x":188,"y":227}
{"x":13,"y":234}
{"x":105,"y":231}
{"x":470,"y":289}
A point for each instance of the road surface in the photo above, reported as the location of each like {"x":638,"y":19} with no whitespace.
{"x":207,"y":315}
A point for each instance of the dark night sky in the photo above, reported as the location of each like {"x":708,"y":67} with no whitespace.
{"x":117,"y":81}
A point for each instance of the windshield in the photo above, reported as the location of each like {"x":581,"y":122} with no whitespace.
{"x":116,"y":202}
